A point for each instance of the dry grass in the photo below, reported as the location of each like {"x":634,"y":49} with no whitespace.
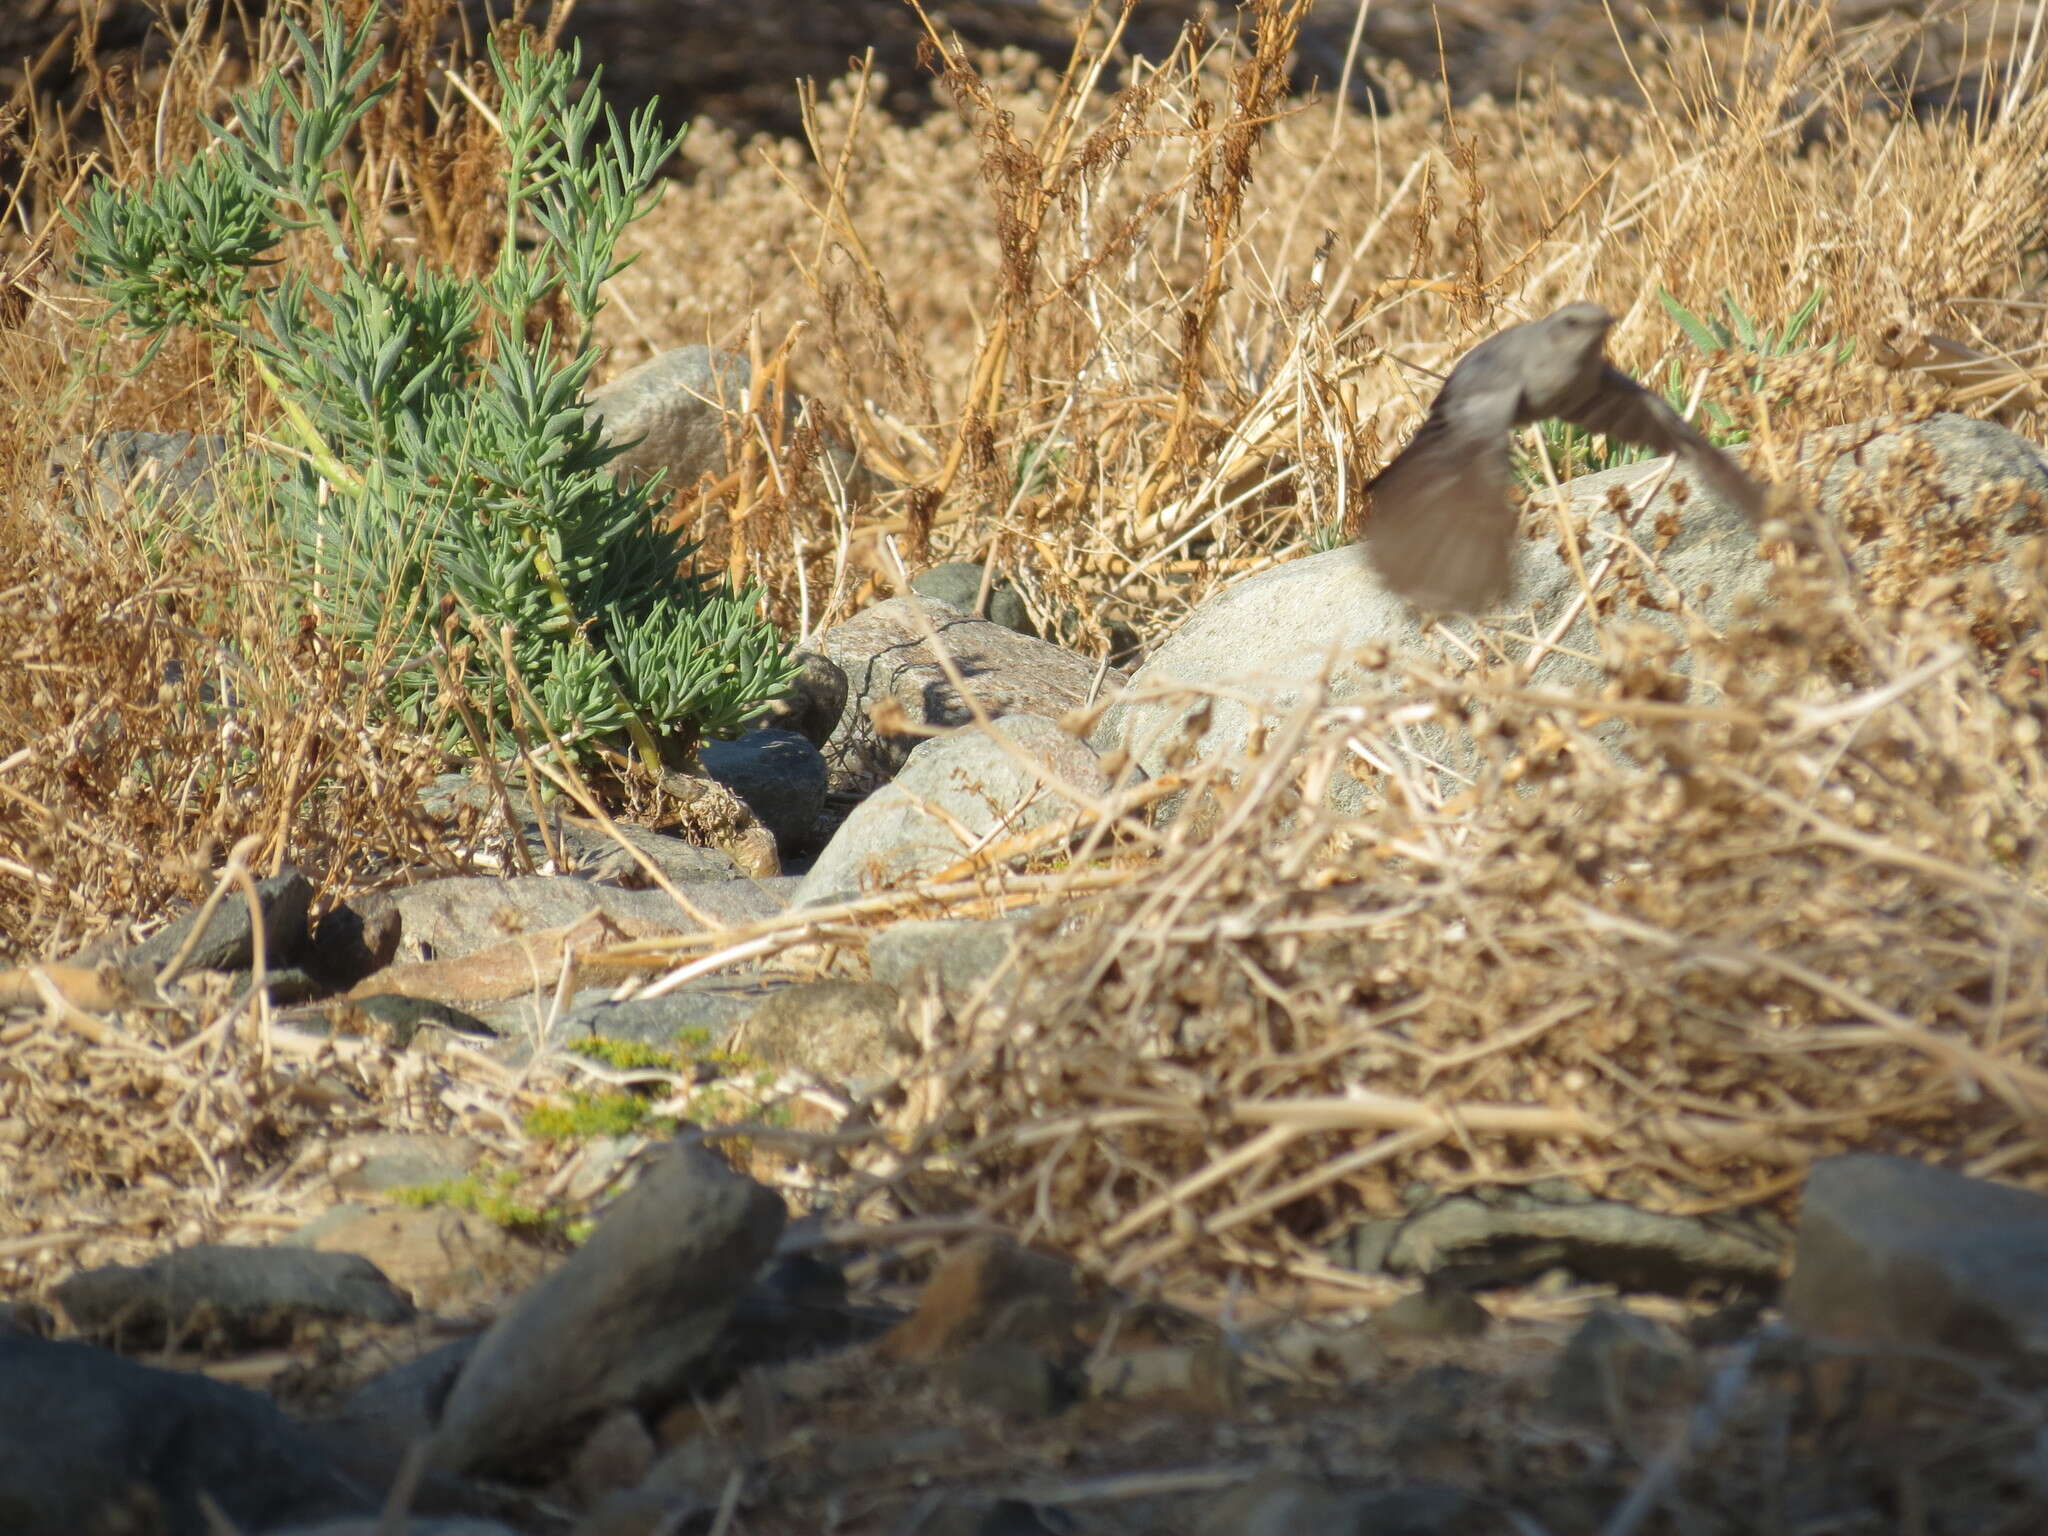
{"x":1129,"y":345}
{"x":1804,"y":917}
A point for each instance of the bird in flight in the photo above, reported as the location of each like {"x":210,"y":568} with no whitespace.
{"x":1441,"y":532}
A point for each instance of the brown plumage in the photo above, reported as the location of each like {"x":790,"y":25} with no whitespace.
{"x":1441,"y":532}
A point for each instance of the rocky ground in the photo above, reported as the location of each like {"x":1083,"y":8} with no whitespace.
{"x":1234,"y":1059}
{"x":616,"y":1329}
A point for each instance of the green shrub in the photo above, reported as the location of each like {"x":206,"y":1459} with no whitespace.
{"x":438,"y":484}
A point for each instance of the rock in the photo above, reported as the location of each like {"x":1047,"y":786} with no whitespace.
{"x":228,"y":944}
{"x":778,"y":775}
{"x":1281,"y":1503}
{"x":812,"y":704}
{"x":1434,"y":1312}
{"x":1275,"y":632}
{"x":670,"y":412}
{"x":952,"y":792}
{"x":700,"y":1013}
{"x":459,"y":915}
{"x":26,"y":1317}
{"x":620,"y":1324}
{"x":371,"y":1162}
{"x":645,"y":1512}
{"x":1895,"y":1253}
{"x":615,"y":1456}
{"x":369,"y":1436}
{"x":349,"y":944}
{"x":169,"y":472}
{"x":447,"y":1260}
{"x":957,"y":584}
{"x":988,"y":1288}
{"x":1015,"y":1381}
{"x":1506,"y":1235}
{"x":957,"y":958}
{"x":887,"y":656}
{"x":86,"y":1435}
{"x":1619,"y":1364}
{"x":841,"y":1031}
{"x":231,"y":1296}
{"x":473,"y":812}
{"x":1207,"y":1377}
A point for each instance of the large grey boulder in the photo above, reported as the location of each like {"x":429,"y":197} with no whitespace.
{"x":955,"y":794}
{"x":1893,"y":1253}
{"x":1274,"y":634}
{"x":91,"y":1442}
{"x":622,"y":1324}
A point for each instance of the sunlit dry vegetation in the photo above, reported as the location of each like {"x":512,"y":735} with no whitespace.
{"x":1130,"y":328}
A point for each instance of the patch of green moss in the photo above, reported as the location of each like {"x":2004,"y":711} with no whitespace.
{"x":490,"y":1196}
{"x":585,"y":1115}
{"x":628,"y":1055}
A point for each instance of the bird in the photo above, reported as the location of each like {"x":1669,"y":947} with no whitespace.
{"x":1441,"y":532}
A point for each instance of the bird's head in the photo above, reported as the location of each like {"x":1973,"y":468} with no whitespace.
{"x":1583,"y":319}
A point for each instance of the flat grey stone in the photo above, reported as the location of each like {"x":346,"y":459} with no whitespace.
{"x":622,"y":1323}
{"x":241,"y":1295}
{"x":842,"y":1031}
{"x":458,"y":915}
{"x":955,"y":957}
{"x":965,"y":783}
{"x":711,"y":1006}
{"x":1897,"y":1252}
{"x":778,"y":775}
{"x":374,"y":1161}
{"x":886,"y":656}
{"x":473,"y":811}
{"x":86,"y":1435}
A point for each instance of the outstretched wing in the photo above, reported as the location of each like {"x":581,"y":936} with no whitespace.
{"x":1441,"y":532}
{"x":1622,"y":408}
